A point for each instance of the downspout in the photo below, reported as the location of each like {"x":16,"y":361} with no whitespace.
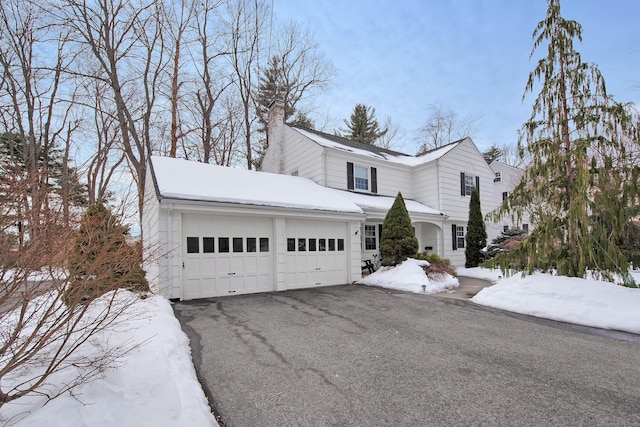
{"x":170,"y":249}
{"x":324,"y":159}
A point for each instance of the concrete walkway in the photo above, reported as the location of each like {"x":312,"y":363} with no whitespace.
{"x":469,"y":287}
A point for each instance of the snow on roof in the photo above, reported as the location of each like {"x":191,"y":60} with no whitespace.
{"x":188,"y":180}
{"x":331,"y":141}
{"x":383,"y":203}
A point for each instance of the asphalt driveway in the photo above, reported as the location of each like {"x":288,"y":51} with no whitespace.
{"x":360,"y":356}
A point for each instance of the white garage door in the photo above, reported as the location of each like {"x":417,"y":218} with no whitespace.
{"x":316,"y":254}
{"x":226,"y":256}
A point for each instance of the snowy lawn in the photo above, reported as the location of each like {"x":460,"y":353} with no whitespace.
{"x":153,"y":385}
{"x":584,"y":302}
{"x":409,"y":276}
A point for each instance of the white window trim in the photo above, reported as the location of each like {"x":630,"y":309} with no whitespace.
{"x":356,"y":177}
{"x":460,"y":235}
{"x":370,"y":233}
{"x":469,"y":184}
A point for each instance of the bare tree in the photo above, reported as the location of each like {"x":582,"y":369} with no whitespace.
{"x":179,"y":17}
{"x":126,"y":41}
{"x":391,"y":138}
{"x":443,"y":127}
{"x":43,"y":327}
{"x":244,"y":25}
{"x":35,"y":115}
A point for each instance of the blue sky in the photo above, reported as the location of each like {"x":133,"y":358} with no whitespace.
{"x":471,"y":56}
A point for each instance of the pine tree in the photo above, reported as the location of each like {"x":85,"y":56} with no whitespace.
{"x":492,"y":153}
{"x":102,"y":260}
{"x":398,"y":241}
{"x":363,"y":126}
{"x":580,"y":183}
{"x":476,"y":237}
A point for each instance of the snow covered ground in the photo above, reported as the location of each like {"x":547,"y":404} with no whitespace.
{"x":153,"y":385}
{"x":585,"y":302}
{"x":409,"y":276}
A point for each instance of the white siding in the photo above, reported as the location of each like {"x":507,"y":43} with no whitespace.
{"x":151,"y":239}
{"x":509,"y":178}
{"x":300,"y":154}
{"x":391,"y":178}
{"x":425,"y":185}
{"x":464,"y":158}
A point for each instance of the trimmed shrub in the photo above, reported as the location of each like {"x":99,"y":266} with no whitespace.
{"x":398,"y":241}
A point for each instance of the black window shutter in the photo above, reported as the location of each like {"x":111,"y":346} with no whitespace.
{"x":462,"y":192}
{"x":478,"y":184}
{"x":349,"y":176}
{"x":454,"y":237}
{"x":374,"y":180}
{"x":379,"y":233}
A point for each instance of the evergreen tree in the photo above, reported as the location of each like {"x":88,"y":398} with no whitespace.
{"x":363,"y":126}
{"x":398,"y":241}
{"x":580,"y":183}
{"x":102,"y":260}
{"x":492,"y":153}
{"x":476,"y":237}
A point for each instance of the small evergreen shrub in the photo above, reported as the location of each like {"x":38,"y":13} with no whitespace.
{"x":101,"y":259}
{"x":398,"y":241}
{"x":476,"y":237}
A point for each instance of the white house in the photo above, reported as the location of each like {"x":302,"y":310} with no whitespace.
{"x":308,"y":219}
{"x":439,"y":181}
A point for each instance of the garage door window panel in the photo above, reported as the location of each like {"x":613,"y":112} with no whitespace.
{"x":223,"y":244}
{"x":251,"y":244}
{"x":302,"y":245}
{"x":341,"y":244}
{"x":208,"y":245}
{"x":312,"y":245}
{"x":193,"y":245}
{"x":238,"y":245}
{"x":332,"y":244}
{"x":322,"y":244}
{"x":291,"y":245}
{"x":264,"y":244}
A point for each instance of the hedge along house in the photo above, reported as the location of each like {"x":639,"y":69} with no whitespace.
{"x":212,"y":231}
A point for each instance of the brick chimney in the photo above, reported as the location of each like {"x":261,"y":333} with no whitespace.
{"x":275,"y":135}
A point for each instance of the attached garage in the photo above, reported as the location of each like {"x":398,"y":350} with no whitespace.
{"x":226,"y":255}
{"x":211,"y":231}
{"x":316,"y":253}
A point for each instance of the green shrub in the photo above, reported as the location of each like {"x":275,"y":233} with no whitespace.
{"x":101,"y":259}
{"x":398,"y":241}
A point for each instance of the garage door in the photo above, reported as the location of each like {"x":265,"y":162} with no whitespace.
{"x":316,"y":254}
{"x":226,"y":256}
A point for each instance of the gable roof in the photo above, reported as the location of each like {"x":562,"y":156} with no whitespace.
{"x":188,"y":180}
{"x":368,"y":150}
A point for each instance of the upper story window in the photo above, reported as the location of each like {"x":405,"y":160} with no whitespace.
{"x":505,"y":194}
{"x":467,"y":184}
{"x":361,"y":178}
{"x":294,"y":173}
{"x":498,"y":177}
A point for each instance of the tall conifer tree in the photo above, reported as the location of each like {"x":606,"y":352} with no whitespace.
{"x":580,"y":183}
{"x":362,"y":126}
{"x":476,"y":233}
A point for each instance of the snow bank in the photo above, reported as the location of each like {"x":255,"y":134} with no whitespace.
{"x":489,"y":274}
{"x":153,"y":385}
{"x":580,"y":301}
{"x":409,"y":276}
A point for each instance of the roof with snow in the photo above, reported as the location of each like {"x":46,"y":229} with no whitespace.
{"x":370,"y":202}
{"x":347,"y":145}
{"x":189,"y":180}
